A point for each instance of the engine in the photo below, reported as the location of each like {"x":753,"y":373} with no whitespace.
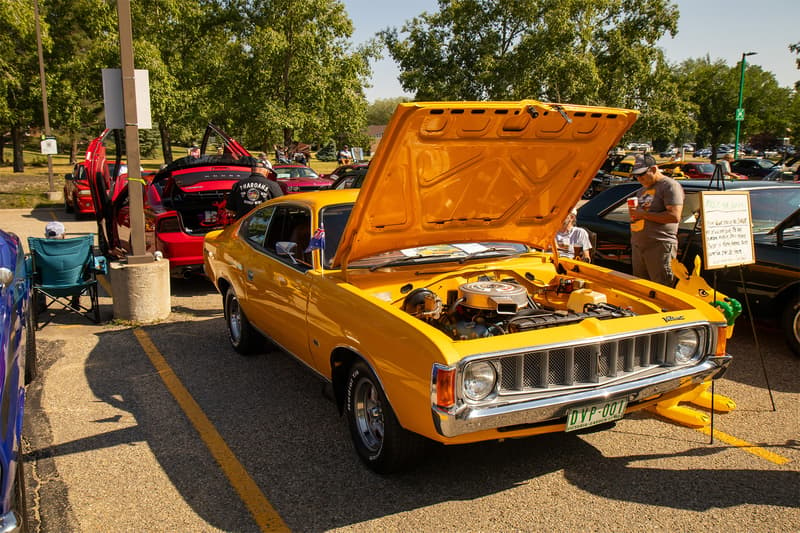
{"x":488,"y":308}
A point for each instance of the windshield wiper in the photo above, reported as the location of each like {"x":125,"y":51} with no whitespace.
{"x":396,"y":261}
{"x":501,"y":252}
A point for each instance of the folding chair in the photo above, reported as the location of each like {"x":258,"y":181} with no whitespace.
{"x":62,"y":271}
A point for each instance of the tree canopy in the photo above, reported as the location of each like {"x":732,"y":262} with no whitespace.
{"x":274,"y":71}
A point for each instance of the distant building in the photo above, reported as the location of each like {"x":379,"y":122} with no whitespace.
{"x":375,"y":133}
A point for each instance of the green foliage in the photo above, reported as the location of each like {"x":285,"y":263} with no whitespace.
{"x":380,"y":111}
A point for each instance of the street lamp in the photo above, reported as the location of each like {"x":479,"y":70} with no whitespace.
{"x":740,"y":109}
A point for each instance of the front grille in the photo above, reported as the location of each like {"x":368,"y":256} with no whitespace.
{"x":583,"y":365}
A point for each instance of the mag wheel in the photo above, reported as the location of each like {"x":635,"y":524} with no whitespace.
{"x":243,"y":337}
{"x":791,"y":325}
{"x":381,"y":443}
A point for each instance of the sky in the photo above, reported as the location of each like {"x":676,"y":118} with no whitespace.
{"x":722,"y":29}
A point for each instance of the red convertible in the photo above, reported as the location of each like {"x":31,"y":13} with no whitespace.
{"x":182,"y":202}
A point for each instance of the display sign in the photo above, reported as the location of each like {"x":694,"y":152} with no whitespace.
{"x":358,"y":153}
{"x":727,"y":230}
{"x":49,"y":146}
{"x":113,"y":101}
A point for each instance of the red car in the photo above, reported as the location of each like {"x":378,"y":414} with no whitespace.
{"x":694,"y":170}
{"x":182,"y":202}
{"x":77,"y":195}
{"x":299,"y":178}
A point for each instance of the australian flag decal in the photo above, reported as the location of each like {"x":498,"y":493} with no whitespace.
{"x":317,"y":240}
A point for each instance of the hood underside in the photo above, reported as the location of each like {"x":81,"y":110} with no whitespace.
{"x":449,"y":172}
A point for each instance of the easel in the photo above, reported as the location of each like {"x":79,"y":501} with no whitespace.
{"x":728,"y":241}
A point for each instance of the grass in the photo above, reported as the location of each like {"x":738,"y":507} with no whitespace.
{"x":28,"y":189}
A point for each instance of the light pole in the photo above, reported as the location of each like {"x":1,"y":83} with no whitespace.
{"x":739,"y":108}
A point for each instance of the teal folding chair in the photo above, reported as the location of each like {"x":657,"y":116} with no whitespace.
{"x":62,"y":271}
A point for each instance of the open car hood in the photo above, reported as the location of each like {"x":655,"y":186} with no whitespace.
{"x":450,"y":172}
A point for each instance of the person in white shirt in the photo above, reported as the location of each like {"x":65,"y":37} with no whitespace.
{"x":573,"y":241}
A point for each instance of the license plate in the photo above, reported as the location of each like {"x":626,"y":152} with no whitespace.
{"x":598,"y":413}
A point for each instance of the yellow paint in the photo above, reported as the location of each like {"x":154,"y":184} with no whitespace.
{"x":262,"y":511}
{"x":758,"y":451}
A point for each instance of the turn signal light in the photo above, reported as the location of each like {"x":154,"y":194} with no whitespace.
{"x":445,"y":383}
{"x":722,"y":340}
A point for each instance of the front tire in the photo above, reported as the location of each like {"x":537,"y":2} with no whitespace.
{"x":243,"y":337}
{"x":379,"y":439}
{"x":589,"y":192}
{"x":31,"y":369}
{"x":791,"y":325}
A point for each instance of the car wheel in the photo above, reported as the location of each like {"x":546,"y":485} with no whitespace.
{"x":791,"y":325}
{"x":21,"y":504}
{"x":31,"y":369}
{"x":243,"y":337}
{"x":381,"y":443}
{"x":589,"y":192}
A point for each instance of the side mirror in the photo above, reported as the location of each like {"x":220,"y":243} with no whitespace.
{"x":286,"y":249}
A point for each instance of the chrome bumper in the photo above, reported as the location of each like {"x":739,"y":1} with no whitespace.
{"x":9,"y":523}
{"x":470,"y":420}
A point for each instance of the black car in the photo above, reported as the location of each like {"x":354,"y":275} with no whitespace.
{"x":771,"y":284}
{"x":349,"y":176}
{"x":752,"y":168}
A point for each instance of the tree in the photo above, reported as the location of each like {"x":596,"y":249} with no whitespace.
{"x":75,"y":97}
{"x":714,"y":88}
{"x":295,"y":76}
{"x":582,"y":51}
{"x":380,"y":111}
{"x":19,"y":72}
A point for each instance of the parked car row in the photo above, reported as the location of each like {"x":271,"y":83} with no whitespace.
{"x":771,"y":285}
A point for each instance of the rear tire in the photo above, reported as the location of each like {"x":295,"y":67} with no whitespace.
{"x":31,"y":366}
{"x":21,"y":503}
{"x":379,"y":439}
{"x":791,"y":325}
{"x":589,"y":192}
{"x":243,"y":337}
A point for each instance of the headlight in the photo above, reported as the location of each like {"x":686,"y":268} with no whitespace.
{"x":479,"y":380}
{"x":687,"y":345}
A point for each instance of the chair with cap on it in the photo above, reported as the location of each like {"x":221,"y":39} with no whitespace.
{"x":62,"y":271}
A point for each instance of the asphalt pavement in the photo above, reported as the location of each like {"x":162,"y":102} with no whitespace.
{"x":163,"y":427}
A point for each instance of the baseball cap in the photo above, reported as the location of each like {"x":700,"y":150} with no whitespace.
{"x":641,"y":163}
{"x":54,"y":229}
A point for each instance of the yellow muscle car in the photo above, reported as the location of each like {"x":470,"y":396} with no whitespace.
{"x":427,"y":302}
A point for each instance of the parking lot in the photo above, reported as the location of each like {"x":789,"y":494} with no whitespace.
{"x":164,"y":427}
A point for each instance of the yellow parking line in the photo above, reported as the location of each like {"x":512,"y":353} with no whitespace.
{"x":264,"y":514}
{"x":746,"y":446}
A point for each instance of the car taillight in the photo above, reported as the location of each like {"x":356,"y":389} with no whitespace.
{"x":169,"y":225}
{"x":85,"y":192}
{"x":444,"y":381}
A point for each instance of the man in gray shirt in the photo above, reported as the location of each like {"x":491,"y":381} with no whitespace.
{"x":654,"y":221}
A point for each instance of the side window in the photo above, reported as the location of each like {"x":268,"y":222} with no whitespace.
{"x":290,"y":224}
{"x":334,"y":220}
{"x":691,"y":211}
{"x":255,"y":230}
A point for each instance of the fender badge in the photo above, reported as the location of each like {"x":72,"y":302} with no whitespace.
{"x":673,"y":318}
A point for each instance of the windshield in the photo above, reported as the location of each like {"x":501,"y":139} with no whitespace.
{"x":286,"y":173}
{"x":769,"y":207}
{"x":334,"y":219}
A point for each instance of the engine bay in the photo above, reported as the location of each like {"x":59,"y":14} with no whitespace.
{"x":489,"y":307}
